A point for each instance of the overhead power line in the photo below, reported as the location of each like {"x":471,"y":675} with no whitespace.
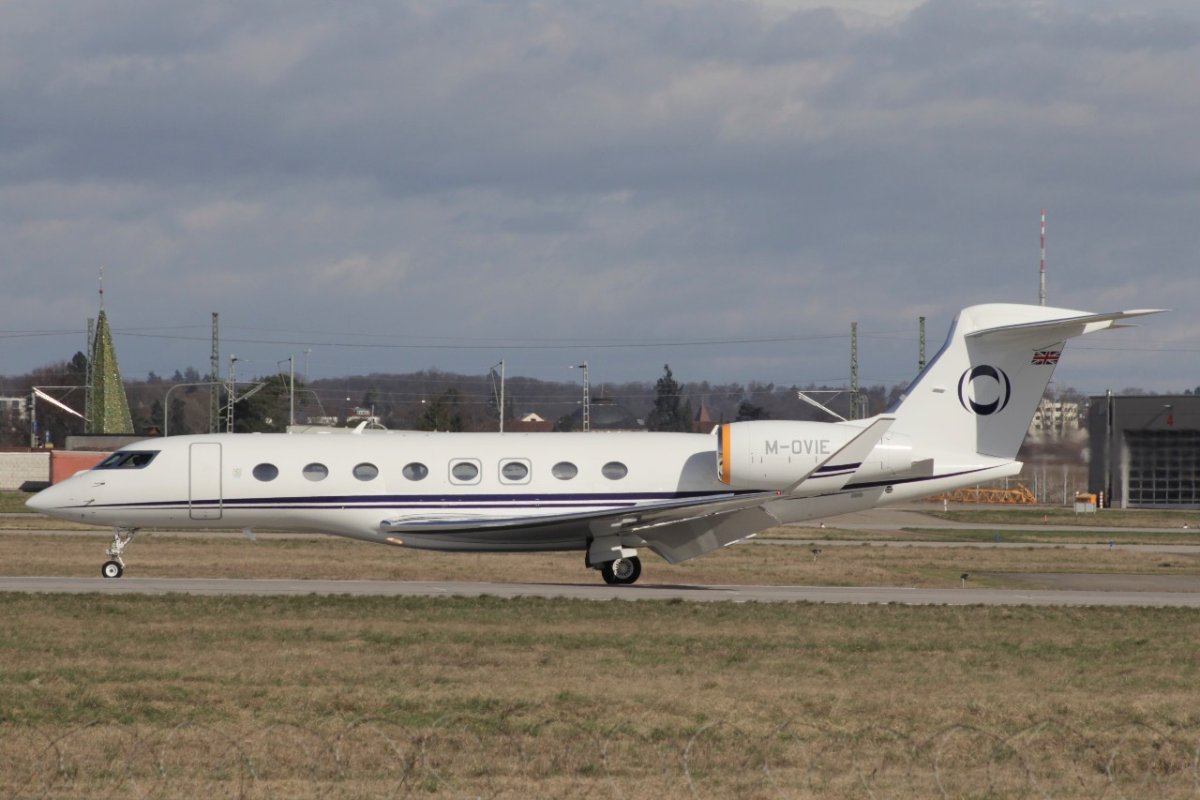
{"x":495,"y":344}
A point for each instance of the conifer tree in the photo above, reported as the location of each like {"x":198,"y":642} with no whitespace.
{"x":670,"y":413}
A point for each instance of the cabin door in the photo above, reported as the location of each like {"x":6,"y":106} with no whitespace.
{"x":204,"y":481}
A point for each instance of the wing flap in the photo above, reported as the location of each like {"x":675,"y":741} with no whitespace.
{"x":608,"y":521}
{"x":681,"y":540}
{"x":676,"y":530}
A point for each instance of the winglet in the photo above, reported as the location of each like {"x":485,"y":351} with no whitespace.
{"x":834,"y":472}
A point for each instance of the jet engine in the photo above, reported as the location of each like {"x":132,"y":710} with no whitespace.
{"x":777,"y":454}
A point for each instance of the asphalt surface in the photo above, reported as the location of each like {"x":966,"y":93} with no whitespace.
{"x":899,"y":519}
{"x":1176,"y":549}
{"x":737,"y":594}
{"x":1047,"y":589}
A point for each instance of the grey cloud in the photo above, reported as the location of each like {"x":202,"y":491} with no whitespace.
{"x":654,"y":170}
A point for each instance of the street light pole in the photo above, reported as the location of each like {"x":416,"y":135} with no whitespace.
{"x":167,"y":402}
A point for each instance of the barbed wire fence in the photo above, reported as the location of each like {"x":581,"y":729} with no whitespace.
{"x":570,"y":756}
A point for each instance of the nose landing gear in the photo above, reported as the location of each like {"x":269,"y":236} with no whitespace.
{"x":115,"y":566}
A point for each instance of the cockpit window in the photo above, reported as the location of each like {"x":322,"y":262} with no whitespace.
{"x":128,"y":459}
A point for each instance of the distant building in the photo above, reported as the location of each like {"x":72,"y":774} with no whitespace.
{"x":530,"y":422}
{"x":13,"y":406}
{"x":1056,"y":420}
{"x":1145,"y":450}
{"x":605,"y":415}
{"x":703,"y":422}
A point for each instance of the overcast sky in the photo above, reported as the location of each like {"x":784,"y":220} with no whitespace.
{"x":403,"y":185}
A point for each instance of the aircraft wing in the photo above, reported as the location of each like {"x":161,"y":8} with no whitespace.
{"x":677,"y":529}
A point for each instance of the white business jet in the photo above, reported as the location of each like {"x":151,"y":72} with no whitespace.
{"x":607,"y":495}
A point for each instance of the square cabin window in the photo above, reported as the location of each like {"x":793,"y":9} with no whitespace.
{"x":464,"y":471}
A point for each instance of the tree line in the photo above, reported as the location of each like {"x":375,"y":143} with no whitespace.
{"x":425,"y":400}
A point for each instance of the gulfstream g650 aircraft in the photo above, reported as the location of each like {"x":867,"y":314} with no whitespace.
{"x":606,"y":495}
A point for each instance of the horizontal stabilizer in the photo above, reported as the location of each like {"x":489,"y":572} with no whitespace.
{"x":1062,"y":328}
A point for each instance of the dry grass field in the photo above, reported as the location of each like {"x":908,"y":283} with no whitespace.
{"x":1078,"y":535}
{"x":337,"y":697}
{"x":349,"y":697}
{"x":1053,"y":515}
{"x":232,"y":556}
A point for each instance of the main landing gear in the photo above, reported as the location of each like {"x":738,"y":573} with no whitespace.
{"x":622,"y":571}
{"x":619,"y":564}
{"x":115,"y":566}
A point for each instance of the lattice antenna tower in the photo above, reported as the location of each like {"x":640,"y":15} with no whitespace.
{"x":87,"y":390}
{"x":1042,"y":265}
{"x":855,"y":402}
{"x":921,"y":344}
{"x":214,"y":370}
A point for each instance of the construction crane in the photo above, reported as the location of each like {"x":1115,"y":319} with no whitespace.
{"x":1018,"y":495}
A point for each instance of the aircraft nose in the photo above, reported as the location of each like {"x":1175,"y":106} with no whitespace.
{"x":39,"y":502}
{"x":46,"y":501}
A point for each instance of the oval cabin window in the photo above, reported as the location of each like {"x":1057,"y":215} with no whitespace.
{"x":366,"y":472}
{"x":265,"y":472}
{"x":564,"y":470}
{"x":614,"y":470}
{"x":315,"y":472}
{"x":416,"y":471}
{"x":514,"y":471}
{"x":464,"y":471}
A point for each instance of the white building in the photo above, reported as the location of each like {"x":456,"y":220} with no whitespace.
{"x":11,"y":405}
{"x":1056,"y":419}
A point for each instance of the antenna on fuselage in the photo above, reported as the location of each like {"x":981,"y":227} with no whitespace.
{"x":818,"y":404}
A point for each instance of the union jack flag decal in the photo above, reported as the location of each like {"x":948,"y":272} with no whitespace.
{"x":1046,"y":357}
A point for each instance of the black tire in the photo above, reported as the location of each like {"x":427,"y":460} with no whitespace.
{"x":112,"y":569}
{"x":622,"y":572}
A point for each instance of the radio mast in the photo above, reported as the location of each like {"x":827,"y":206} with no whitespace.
{"x":1042,"y":267}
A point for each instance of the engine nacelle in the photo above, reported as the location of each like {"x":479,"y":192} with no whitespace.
{"x":775,"y":454}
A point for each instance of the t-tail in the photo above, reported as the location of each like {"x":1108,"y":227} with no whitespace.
{"x":961,"y":421}
{"x":975,"y":400}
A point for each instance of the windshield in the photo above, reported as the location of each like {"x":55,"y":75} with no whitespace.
{"x":128,"y":459}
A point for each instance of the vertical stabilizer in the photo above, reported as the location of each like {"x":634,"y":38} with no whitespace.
{"x":980,"y":392}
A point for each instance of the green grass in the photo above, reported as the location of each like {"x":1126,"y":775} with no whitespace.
{"x":1051,"y":515}
{"x":1076,"y":536}
{"x":12,"y":502}
{"x":1073,"y":535}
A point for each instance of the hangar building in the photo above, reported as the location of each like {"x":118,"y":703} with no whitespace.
{"x":1145,"y":450}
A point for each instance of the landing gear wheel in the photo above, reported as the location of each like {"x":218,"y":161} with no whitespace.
{"x":115,"y":566}
{"x":621,"y":572}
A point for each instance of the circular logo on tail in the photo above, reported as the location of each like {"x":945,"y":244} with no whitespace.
{"x":984,"y":390}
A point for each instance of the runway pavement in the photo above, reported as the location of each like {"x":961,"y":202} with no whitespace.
{"x":736,"y":594}
{"x":1173,"y":549}
{"x":1068,"y":590}
{"x":898,"y":519}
